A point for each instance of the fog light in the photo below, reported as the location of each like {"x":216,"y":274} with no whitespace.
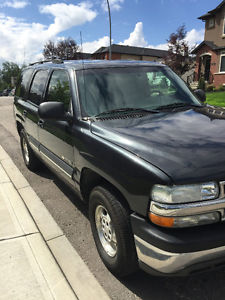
{"x":187,"y":221}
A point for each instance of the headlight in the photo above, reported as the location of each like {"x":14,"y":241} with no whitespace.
{"x":187,"y":221}
{"x":185,"y":193}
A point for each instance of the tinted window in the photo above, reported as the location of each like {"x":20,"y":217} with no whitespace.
{"x":22,"y":87}
{"x":222,"y":65}
{"x":38,"y":86}
{"x":102,"y":90}
{"x":59,"y":88}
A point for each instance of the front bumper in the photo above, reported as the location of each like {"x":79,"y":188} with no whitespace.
{"x":178,"y":251}
{"x":168,"y":263}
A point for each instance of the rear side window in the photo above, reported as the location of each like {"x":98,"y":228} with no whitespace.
{"x":59,"y":88}
{"x":22,"y":87}
{"x":38,"y":86}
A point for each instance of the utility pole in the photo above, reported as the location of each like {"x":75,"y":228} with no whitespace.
{"x":110,"y":32}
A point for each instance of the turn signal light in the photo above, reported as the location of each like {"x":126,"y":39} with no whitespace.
{"x":185,"y":221}
{"x":161,"y":221}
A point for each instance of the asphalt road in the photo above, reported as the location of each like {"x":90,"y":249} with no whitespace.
{"x":71,"y":215}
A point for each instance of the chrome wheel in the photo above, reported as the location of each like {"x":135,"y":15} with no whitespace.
{"x":106,"y":231}
{"x":25,"y":151}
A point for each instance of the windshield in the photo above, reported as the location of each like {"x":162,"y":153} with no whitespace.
{"x":149,"y":88}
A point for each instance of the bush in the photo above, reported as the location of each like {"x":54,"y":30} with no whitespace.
{"x":210,"y":88}
{"x":221,"y":88}
{"x":201,"y":83}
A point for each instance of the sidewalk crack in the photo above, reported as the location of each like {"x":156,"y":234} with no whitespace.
{"x":54,"y":238}
{"x":17,"y":237}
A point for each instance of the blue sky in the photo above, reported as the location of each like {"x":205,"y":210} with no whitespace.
{"x":26,"y":25}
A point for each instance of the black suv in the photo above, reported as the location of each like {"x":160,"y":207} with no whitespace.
{"x":141,"y":149}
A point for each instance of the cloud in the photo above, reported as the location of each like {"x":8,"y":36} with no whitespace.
{"x":22,"y":41}
{"x":136,"y":37}
{"x":194,"y":37}
{"x":114,"y":5}
{"x":91,"y":47}
{"x":68,"y":15}
{"x":160,"y":46}
{"x":15,"y":4}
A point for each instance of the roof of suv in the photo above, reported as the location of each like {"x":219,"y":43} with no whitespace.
{"x":89,"y":64}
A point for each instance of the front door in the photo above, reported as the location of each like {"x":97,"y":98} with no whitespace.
{"x":207,"y":68}
{"x":56,"y":143}
{"x":30,"y":107}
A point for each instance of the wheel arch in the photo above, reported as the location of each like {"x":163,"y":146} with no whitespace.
{"x":19,"y":127}
{"x":90,"y":179}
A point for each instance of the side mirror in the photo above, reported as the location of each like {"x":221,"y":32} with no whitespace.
{"x":200,"y":94}
{"x":52,"y":111}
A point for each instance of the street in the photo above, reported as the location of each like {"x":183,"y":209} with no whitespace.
{"x":70,"y":213}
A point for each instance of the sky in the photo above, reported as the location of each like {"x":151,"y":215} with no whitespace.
{"x":26,"y":25}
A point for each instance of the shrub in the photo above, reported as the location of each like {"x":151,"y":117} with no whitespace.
{"x":201,"y":83}
{"x":221,"y":88}
{"x":210,"y":88}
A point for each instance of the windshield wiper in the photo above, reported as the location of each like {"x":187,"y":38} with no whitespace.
{"x":125,"y":109}
{"x":177,"y":105}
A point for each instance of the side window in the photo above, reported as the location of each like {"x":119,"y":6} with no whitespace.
{"x":59,"y":88}
{"x":22,"y":87}
{"x":37,"y":86}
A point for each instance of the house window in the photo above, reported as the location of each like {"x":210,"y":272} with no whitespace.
{"x":222,"y":63}
{"x":224,"y":26}
{"x":211,"y":23}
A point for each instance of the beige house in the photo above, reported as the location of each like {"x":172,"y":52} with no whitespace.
{"x":210,"y":54}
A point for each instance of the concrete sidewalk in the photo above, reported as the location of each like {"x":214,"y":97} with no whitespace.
{"x":36,"y":259}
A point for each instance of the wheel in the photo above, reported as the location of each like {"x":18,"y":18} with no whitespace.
{"x":30,"y":159}
{"x":112,"y":231}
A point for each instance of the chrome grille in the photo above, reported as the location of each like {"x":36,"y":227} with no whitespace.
{"x":222,"y":189}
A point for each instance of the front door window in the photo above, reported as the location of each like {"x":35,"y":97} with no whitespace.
{"x":207,"y":68}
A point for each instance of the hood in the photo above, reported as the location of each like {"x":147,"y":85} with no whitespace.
{"x":188,"y":145}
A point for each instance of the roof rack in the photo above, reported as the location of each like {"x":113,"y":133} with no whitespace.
{"x":54,"y":60}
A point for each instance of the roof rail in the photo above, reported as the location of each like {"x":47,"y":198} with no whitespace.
{"x":54,"y":60}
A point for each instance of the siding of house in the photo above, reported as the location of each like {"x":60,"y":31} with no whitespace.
{"x":216,"y":34}
{"x":130,"y":57}
{"x":151,"y":58}
{"x":218,"y":78}
{"x":120,"y":56}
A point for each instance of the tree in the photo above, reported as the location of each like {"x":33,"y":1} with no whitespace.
{"x":179,"y":53}
{"x":8,"y":72}
{"x":66,"y":49}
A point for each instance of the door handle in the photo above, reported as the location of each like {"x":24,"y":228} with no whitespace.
{"x":24,"y":113}
{"x":41,"y":123}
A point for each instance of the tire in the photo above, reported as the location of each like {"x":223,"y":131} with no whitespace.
{"x":30,"y":159}
{"x":111,"y":229}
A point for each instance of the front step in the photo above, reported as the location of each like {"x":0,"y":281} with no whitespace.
{"x":194,"y":85}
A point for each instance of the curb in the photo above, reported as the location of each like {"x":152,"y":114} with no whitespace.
{"x":76,"y":272}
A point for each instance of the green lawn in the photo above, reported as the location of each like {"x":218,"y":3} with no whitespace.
{"x":216,"y":98}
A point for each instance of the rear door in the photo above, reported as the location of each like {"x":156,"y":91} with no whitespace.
{"x":56,"y":143}
{"x":30,"y":109}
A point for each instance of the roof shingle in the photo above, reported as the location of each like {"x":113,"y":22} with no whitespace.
{"x":133,"y":50}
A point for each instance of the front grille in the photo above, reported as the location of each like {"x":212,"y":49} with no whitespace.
{"x":222,"y":189}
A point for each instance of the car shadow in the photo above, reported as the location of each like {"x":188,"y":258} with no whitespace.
{"x":70,"y":193}
{"x":208,"y":286}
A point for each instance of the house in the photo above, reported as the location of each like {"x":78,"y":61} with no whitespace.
{"x":82,"y":55}
{"x":121,"y":52}
{"x":210,"y":54}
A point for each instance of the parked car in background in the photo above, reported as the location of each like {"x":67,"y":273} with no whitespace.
{"x":143,"y":152}
{"x":12,"y":92}
{"x":6,"y":92}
